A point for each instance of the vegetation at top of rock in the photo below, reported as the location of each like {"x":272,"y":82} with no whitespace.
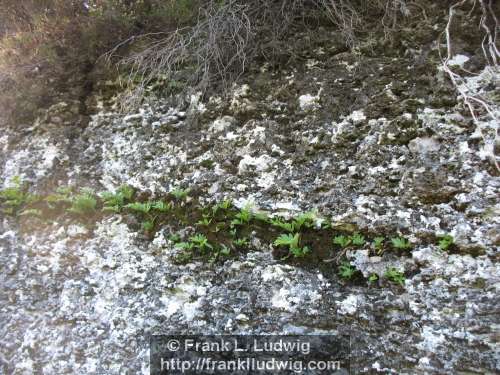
{"x":51,"y":48}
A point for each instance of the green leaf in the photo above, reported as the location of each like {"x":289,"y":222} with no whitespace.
{"x":161,"y":206}
{"x":289,"y":227}
{"x":400,"y":243}
{"x":346,"y":270}
{"x":291,"y":240}
{"x":395,"y":275}
{"x":358,"y":240}
{"x":378,"y":242}
{"x":445,"y":242}
{"x":342,"y":241}
{"x":140,"y":207}
{"x":83,"y":203}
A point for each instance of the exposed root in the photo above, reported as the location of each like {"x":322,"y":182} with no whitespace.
{"x":491,"y":54}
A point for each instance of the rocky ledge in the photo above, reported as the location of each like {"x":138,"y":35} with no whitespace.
{"x":378,"y":143}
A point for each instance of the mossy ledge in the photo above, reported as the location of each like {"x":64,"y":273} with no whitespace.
{"x":215,"y":232}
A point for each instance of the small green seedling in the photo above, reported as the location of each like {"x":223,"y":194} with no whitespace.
{"x":342,"y":241}
{"x":358,"y":240}
{"x":282,"y":224}
{"x":147,"y":225}
{"x":83,"y":203}
{"x":175,"y":237}
{"x":395,"y":275}
{"x":292,"y":242}
{"x":161,"y":206}
{"x":140,"y":207}
{"x":347,"y":271}
{"x":400,"y":243}
{"x":200,"y":242}
{"x":62,"y":195}
{"x":305,"y":219}
{"x":378,"y":244}
{"x":225,"y":205}
{"x":180,"y":194}
{"x":243,"y":217}
{"x":224,"y":250}
{"x":241,"y":242}
{"x":115,"y":201}
{"x":14,"y":196}
{"x":445,"y":242}
{"x":372,"y":278}
{"x":184,"y":245}
{"x":205,"y":221}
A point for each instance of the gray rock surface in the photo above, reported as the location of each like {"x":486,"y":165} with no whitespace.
{"x":79,"y":300}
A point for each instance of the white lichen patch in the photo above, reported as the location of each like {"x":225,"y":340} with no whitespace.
{"x":309,"y":102}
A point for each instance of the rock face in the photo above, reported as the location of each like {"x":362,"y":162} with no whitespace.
{"x":366,"y":142}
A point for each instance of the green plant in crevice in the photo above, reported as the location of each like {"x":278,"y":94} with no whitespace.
{"x":233,"y":232}
{"x":174,"y":237}
{"x":244,"y":216}
{"x":83,"y":203}
{"x":326,"y":224}
{"x":180,"y":194}
{"x":241,"y":242}
{"x":445,"y":242}
{"x":222,"y":250}
{"x":347,"y":270}
{"x":372,"y":278}
{"x":184,"y":245}
{"x":148,"y":225}
{"x":378,"y":244}
{"x":305,"y":219}
{"x":225,"y":205}
{"x":342,"y":241}
{"x":292,"y":241}
{"x":62,"y":195}
{"x":205,"y":221}
{"x":200,"y":242}
{"x":146,"y":209}
{"x":400,"y":243}
{"x":277,"y":222}
{"x":114,"y":202}
{"x":357,"y":239}
{"x":161,"y":206}
{"x":15,"y":196}
{"x":394,"y":275}
{"x":143,"y":208}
